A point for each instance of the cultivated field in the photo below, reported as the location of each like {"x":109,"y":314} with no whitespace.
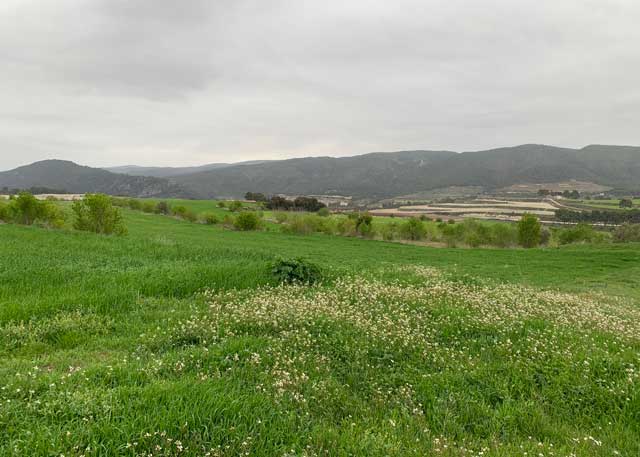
{"x":176,"y":340}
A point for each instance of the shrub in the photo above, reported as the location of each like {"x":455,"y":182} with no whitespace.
{"x":25,"y":209}
{"x":281,"y":217}
{"x":134,"y":204}
{"x":228,"y":221}
{"x":624,"y":234}
{"x":4,"y":211}
{"x":304,"y":224}
{"x":412,"y":229}
{"x":452,"y":234}
{"x":163,"y":208}
{"x":235,"y":206}
{"x":148,"y":207}
{"x":476,"y":233}
{"x":324,"y":212}
{"x":581,"y":233}
{"x":221,"y":204}
{"x":290,"y":271}
{"x":52,"y":215}
{"x":389,"y":231}
{"x":184,"y":213}
{"x":247,"y":221}
{"x":96,"y":213}
{"x":529,"y":231}
{"x":209,"y":218}
{"x":626,"y":203}
{"x":504,"y":235}
{"x":364,"y":225}
{"x":346,"y":227}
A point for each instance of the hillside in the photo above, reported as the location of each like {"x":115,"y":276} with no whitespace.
{"x":391,"y":174}
{"x":168,"y":172}
{"x":73,"y":178}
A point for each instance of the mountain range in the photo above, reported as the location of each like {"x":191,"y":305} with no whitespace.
{"x":374,"y":175}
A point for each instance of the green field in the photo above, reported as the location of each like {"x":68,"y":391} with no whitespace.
{"x":176,"y":340}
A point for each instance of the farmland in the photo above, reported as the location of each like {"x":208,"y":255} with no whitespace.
{"x":176,"y":340}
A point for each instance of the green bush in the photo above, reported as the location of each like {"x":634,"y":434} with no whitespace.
{"x":281,"y":217}
{"x":96,"y":213}
{"x":148,"y":207}
{"x":303,"y":224}
{"x":184,"y":213}
{"x":452,"y":234}
{"x":300,"y":271}
{"x":412,"y":229}
{"x":504,"y":235}
{"x":324,"y":212}
{"x":364,"y":225}
{"x":625,"y":233}
{"x":221,"y":204}
{"x":346,"y":227}
{"x":581,"y":233}
{"x":134,"y":204}
{"x":163,"y":208}
{"x":529,"y":231}
{"x":246,"y":221}
{"x":209,"y":218}
{"x":235,"y":206}
{"x":25,"y":209}
{"x":4,"y":211}
{"x":389,"y":231}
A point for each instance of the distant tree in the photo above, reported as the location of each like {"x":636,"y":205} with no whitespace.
{"x":574,"y":194}
{"x":184,"y":213}
{"x":308,"y":204}
{"x":255,"y":196}
{"x":544,"y":192}
{"x":626,"y":203}
{"x":529,"y":231}
{"x":96,"y":213}
{"x":221,"y":204}
{"x":364,"y":225}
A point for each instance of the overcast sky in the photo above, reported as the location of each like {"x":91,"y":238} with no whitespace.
{"x":185,"y":82}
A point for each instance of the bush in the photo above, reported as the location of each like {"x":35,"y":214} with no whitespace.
{"x":504,"y":235}
{"x":134,"y":204}
{"x":148,"y":207}
{"x":221,"y":204}
{"x":247,"y":221}
{"x":25,"y":209}
{"x":389,"y":231}
{"x":303,"y":224}
{"x":412,"y":229}
{"x":290,"y":271}
{"x":324,"y":212}
{"x":96,"y":213}
{"x":209,"y":218}
{"x":184,"y":213}
{"x":235,"y":206}
{"x":529,"y":231}
{"x":452,"y":234}
{"x":624,"y":234}
{"x":346,"y":227}
{"x":4,"y":211}
{"x":281,"y":217}
{"x":581,"y":233}
{"x":364,"y":225}
{"x":52,"y":215}
{"x":163,"y":208}
{"x":228,"y":221}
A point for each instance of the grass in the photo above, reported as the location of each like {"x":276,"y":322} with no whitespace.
{"x":110,"y":347}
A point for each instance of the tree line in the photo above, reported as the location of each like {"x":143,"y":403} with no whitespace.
{"x":631,"y":216}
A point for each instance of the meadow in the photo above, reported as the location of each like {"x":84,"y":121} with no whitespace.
{"x":176,"y":340}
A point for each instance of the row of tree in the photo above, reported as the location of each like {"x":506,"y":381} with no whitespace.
{"x":599,"y":216}
{"x":309,"y":204}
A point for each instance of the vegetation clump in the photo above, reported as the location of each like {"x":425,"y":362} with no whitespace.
{"x":96,"y":213}
{"x":247,"y":221}
{"x":627,"y":233}
{"x":295,"y":271}
{"x":529,"y":231}
{"x":25,"y":209}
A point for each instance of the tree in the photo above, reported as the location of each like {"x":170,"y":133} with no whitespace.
{"x":235,"y":206}
{"x":529,"y":231}
{"x":96,"y":213}
{"x":255,"y":196}
{"x":364,"y":225}
{"x":247,"y":221}
{"x":25,"y":209}
{"x":544,"y":192}
{"x":413,"y":229}
{"x":626,"y":203}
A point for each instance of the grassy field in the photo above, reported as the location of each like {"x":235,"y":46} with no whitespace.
{"x":175,"y":340}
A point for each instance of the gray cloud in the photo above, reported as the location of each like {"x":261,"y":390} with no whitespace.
{"x":106,"y":82}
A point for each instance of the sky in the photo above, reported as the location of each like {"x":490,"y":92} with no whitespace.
{"x":189,"y":82}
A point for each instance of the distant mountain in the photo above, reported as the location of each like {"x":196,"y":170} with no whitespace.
{"x":169,"y":172}
{"x":376,"y":175}
{"x":380,"y":175}
{"x":62,"y":174}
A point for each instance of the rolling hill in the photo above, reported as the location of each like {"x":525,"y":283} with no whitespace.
{"x":73,"y":178}
{"x":391,"y":174}
{"x":374,"y":175}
